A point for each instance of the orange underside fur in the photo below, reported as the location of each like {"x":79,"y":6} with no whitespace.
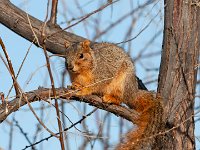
{"x":110,"y":99}
{"x":112,"y":91}
{"x":79,"y":83}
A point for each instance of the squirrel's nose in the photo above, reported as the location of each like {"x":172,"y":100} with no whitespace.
{"x":70,"y":66}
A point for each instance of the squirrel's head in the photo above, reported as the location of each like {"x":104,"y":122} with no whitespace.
{"x":79,"y":57}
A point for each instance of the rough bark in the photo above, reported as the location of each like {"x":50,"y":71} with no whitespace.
{"x":46,"y":95}
{"x":29,"y":27}
{"x":178,"y":74}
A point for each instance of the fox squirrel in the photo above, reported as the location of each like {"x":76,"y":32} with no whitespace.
{"x":108,"y":71}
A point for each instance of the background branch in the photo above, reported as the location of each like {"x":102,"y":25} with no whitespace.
{"x":53,"y":17}
{"x":10,"y":67}
{"x":54,"y":95}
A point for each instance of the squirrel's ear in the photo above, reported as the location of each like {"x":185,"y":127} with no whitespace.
{"x":86,"y":45}
{"x":68,"y":45}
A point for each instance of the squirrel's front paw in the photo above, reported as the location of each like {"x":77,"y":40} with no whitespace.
{"x":74,"y":89}
{"x":75,"y":86}
{"x":79,"y":90}
{"x":111,"y":100}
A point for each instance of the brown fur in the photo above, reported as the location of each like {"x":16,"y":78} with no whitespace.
{"x":109,"y":72}
{"x":148,"y":124}
{"x":104,"y":71}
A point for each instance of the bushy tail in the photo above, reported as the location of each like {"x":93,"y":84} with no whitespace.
{"x":149,"y":123}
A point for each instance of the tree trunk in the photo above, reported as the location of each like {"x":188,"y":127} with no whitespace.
{"x":178,"y":71}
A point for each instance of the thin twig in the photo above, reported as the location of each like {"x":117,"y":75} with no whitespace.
{"x":22,"y":131}
{"x":140,"y":30}
{"x":11,"y":135}
{"x":123,"y":18}
{"x":66,"y":129}
{"x":53,"y":17}
{"x":6,"y":111}
{"x":20,"y":67}
{"x":10,"y":67}
{"x":54,"y":93}
{"x":83,"y":18}
{"x":40,"y":121}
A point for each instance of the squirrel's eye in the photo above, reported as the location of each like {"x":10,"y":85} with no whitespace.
{"x":81,"y":55}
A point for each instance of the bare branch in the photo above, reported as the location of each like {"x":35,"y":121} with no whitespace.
{"x":19,"y":22}
{"x":10,"y":67}
{"x":66,"y":129}
{"x":45,"y":94}
{"x":123,"y":18}
{"x":16,"y":20}
{"x":22,"y":132}
{"x":86,"y":16}
{"x":53,"y":17}
{"x":54,"y":94}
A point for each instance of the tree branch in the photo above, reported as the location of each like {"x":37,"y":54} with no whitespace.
{"x":63,"y":93}
{"x":10,"y":66}
{"x":53,"y":17}
{"x":18,"y":21}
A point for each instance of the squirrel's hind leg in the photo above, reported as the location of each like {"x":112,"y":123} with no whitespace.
{"x":111,"y":99}
{"x":115,"y":89}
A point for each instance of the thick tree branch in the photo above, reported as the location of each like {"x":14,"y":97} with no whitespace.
{"x":46,"y":94}
{"x":30,"y":28}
